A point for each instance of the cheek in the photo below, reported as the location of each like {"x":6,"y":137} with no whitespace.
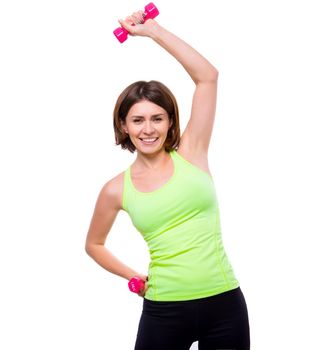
{"x":134,"y":129}
{"x":164,"y":126}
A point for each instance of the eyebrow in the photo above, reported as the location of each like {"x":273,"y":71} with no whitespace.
{"x":153,"y":116}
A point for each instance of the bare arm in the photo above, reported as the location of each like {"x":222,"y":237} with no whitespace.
{"x":105,"y":212}
{"x":197,"y":66}
{"x":197,"y":134}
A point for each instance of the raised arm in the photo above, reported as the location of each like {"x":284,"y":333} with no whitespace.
{"x":197,"y":134}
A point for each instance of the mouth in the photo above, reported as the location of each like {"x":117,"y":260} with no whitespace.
{"x":149,"y":141}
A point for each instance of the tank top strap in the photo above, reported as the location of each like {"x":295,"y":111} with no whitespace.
{"x":185,"y":166}
{"x":127,"y":188}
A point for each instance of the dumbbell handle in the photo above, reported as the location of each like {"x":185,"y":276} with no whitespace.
{"x":151,"y":11}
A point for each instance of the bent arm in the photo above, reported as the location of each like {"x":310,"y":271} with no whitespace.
{"x":104,"y":215}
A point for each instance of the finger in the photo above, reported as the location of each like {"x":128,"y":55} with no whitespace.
{"x":141,"y":13}
{"x":143,"y":291}
{"x":138,"y":16}
{"x":136,"y":20}
{"x":126,"y":25}
{"x":127,"y":21}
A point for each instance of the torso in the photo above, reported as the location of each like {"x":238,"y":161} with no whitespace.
{"x":159,"y":178}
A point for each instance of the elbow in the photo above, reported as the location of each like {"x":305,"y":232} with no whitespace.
{"x":211,"y":76}
{"x":88,"y":249}
{"x":214,"y":75}
{"x":92,"y":248}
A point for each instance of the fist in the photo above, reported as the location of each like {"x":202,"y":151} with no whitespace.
{"x":135,"y":24}
{"x":142,"y":292}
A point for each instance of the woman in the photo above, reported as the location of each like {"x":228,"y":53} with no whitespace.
{"x":191,"y":293}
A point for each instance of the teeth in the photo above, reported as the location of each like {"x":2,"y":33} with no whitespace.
{"x":149,"y":140}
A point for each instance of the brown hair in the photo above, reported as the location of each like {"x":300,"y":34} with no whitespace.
{"x":153,"y":91}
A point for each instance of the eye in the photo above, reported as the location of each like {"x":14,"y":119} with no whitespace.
{"x":139,"y":120}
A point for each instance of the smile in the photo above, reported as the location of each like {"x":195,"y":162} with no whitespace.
{"x":149,"y":141}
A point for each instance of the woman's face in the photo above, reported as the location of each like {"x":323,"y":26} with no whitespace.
{"x":145,"y":122}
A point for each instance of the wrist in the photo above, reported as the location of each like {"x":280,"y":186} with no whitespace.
{"x":130,"y":274}
{"x":140,"y":276}
{"x":155,"y":31}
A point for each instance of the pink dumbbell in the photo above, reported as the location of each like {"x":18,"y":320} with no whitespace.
{"x":151,"y":11}
{"x":136,"y":284}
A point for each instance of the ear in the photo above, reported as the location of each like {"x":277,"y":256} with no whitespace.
{"x":123,"y":126}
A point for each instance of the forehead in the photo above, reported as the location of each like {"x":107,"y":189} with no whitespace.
{"x":145,"y":108}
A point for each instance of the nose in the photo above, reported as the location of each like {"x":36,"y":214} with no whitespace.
{"x":148,"y":128}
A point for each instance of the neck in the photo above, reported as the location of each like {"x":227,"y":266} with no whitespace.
{"x":151,"y":161}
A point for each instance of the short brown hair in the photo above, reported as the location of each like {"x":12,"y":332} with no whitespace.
{"x":153,"y":91}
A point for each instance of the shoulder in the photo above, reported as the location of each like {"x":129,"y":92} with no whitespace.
{"x":112,"y":191}
{"x":195,"y":156}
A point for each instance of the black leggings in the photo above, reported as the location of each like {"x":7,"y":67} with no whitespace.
{"x":216,"y":322}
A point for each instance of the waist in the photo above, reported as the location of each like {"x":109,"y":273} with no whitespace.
{"x":181,"y":282}
{"x":211,"y":298}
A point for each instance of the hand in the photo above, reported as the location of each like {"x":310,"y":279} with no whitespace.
{"x":142,"y":292}
{"x":135,"y":25}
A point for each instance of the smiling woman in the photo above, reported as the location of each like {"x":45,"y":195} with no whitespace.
{"x":190,"y":291}
{"x":147,"y":122}
{"x":145,"y":110}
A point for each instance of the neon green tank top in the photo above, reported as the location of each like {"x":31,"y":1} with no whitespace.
{"x":180,"y":223}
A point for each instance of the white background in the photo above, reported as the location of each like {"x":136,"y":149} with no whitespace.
{"x":61,"y":70}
